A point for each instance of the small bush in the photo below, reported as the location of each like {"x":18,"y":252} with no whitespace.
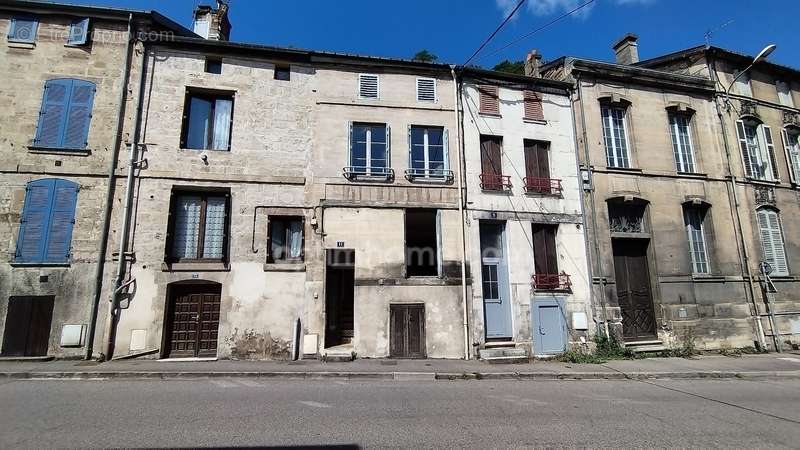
{"x":606,"y":348}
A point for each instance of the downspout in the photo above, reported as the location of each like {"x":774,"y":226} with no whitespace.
{"x":119,"y":284}
{"x":593,"y":207}
{"x":460,"y":155}
{"x":112,"y":167}
{"x":744,"y":257}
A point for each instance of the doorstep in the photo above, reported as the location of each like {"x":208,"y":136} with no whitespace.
{"x":27,"y":358}
{"x":187,"y":359}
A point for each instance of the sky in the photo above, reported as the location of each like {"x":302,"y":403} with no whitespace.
{"x":453,"y":29}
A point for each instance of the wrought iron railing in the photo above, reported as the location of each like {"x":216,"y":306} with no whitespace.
{"x":551,"y":282}
{"x":382,"y":173}
{"x":493,"y":182}
{"x":547,"y":186}
{"x":431,"y":175}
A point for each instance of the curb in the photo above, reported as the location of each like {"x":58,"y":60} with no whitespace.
{"x":405,"y":376}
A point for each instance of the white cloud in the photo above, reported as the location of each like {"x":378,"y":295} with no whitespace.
{"x":547,"y":7}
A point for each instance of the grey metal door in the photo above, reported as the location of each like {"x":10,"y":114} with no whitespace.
{"x":549,"y":329}
{"x":494,"y":277}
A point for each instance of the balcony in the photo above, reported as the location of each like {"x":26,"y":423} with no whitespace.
{"x":493,"y":182}
{"x":543,"y":186}
{"x":368,"y":173}
{"x":429,"y":175}
{"x":551,"y":282}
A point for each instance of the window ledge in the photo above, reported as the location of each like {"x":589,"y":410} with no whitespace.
{"x":707,"y":277}
{"x":536,"y":121}
{"x":38,"y":264}
{"x":764,"y":182}
{"x":692,"y":175}
{"x":22,"y":44}
{"x":487,"y":114}
{"x":60,"y":151}
{"x":195,"y":267}
{"x":284,"y":267}
{"x":623,"y":169}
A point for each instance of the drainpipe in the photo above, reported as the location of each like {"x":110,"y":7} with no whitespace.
{"x":593,"y":208}
{"x":119,"y":284}
{"x":460,"y":155}
{"x":112,"y":167}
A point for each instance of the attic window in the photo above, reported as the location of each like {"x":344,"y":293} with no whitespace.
{"x":368,"y":86}
{"x":282,"y":73}
{"x":213,"y":65}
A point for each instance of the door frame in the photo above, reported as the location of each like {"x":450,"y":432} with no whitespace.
{"x":28,"y":298}
{"x":560,"y":303}
{"x":503,"y":276}
{"x":652,"y":277}
{"x":329,"y":252}
{"x":166,"y":332}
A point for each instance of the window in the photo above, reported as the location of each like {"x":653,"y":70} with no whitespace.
{"x":427,"y":151}
{"x":694,"y":220}
{"x":489,"y":100}
{"x":208,"y":119}
{"x":533,"y":105}
{"x":758,"y":150}
{"x":368,"y":86}
{"x":285,"y":239}
{"x":45,"y":232}
{"x":791,"y":143}
{"x":626,"y":217}
{"x":784,"y":93}
{"x":492,"y":178}
{"x":199,"y":227}
{"x":23,"y":29}
{"x":545,"y":259}
{"x":615,"y":135}
{"x":213,"y":65}
{"x":742,"y":84}
{"x":78,"y":32}
{"x":537,"y":168}
{"x":369,"y":149}
{"x":426,"y":90}
{"x":769,"y":225}
{"x":65,"y":114}
{"x":681,"y":142}
{"x":423,"y":239}
{"x":282,"y":73}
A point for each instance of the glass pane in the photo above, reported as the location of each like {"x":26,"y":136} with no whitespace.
{"x":199,"y":122}
{"x":215,"y":228}
{"x":222,"y":124}
{"x":360,"y":133}
{"x":417,"y":135}
{"x":378,"y":134}
{"x":187,"y":227}
{"x":295,"y":238}
{"x":278,"y":240}
{"x":359,"y":154}
{"x":417,"y":156}
{"x":378,"y":155}
{"x":435,"y":136}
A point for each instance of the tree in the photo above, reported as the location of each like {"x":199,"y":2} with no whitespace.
{"x":515,"y":67}
{"x":425,"y":56}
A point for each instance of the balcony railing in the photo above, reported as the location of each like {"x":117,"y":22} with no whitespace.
{"x":546,"y":186}
{"x":493,"y":182}
{"x":551,"y":282}
{"x":374,"y":173}
{"x":429,"y":175}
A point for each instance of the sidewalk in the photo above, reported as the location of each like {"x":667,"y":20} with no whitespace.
{"x":783,"y":366}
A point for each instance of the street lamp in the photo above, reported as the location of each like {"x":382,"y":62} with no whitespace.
{"x":762,"y":55}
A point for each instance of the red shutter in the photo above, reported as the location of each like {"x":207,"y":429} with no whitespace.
{"x":489,"y":102}
{"x":533,"y":106}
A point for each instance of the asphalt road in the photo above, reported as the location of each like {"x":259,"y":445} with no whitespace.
{"x":482,"y":414}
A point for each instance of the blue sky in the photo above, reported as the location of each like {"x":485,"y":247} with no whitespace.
{"x":453,"y":29}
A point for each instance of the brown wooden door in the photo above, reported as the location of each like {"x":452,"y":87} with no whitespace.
{"x":194,"y":320}
{"x":27,"y":330}
{"x":407,"y":331}
{"x":633,"y":289}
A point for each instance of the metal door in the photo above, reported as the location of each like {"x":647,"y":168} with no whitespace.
{"x":549,"y":329}
{"x":494,"y":277}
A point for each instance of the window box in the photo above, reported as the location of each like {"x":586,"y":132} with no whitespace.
{"x":552,"y":282}
{"x":544,"y":186}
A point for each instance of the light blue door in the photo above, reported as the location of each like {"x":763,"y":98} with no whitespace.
{"x":494,"y":278}
{"x":549,"y":329}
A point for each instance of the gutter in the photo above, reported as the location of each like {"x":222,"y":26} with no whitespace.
{"x":461,"y":212}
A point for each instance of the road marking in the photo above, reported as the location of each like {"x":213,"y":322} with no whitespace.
{"x":794,"y":360}
{"x":224,"y":383}
{"x":315,"y":404}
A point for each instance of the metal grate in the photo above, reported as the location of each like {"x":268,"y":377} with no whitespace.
{"x":367,"y":86}
{"x":426,"y":90}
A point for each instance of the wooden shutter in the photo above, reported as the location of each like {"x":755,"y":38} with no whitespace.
{"x":745,"y":151}
{"x":53,"y":115}
{"x":79,"y":114}
{"x":790,"y":160}
{"x":491,"y":161}
{"x":537,"y":163}
{"x":23,"y":29}
{"x":533,"y":106}
{"x":35,"y":219}
{"x":368,"y":86}
{"x":489,"y":102}
{"x":426,"y":89}
{"x":771,"y":152}
{"x":772,"y":241}
{"x":62,"y":219}
{"x":545,"y":260}
{"x":78,"y":32}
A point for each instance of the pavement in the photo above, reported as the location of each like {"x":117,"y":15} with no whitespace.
{"x":764,"y":366}
{"x":241,"y":412}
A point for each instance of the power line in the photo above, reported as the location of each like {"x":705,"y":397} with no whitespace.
{"x":526,"y":36}
{"x":514,"y":11}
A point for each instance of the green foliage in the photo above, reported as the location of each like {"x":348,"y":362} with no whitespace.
{"x":515,"y":67}
{"x":425,"y":56}
{"x":606,"y":348}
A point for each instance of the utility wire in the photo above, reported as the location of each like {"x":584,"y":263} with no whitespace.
{"x":491,"y":36}
{"x":526,"y":36}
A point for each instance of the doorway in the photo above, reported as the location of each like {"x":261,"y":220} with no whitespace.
{"x":549,"y":326}
{"x":339,"y":297}
{"x":634,"y":292}
{"x":494,"y":278}
{"x":407,"y":331}
{"x":27,"y":330}
{"x":193,"y":320}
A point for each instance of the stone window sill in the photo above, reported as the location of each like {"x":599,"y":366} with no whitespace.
{"x":692,"y":175}
{"x":623,"y":169}
{"x":536,"y":121}
{"x":195,"y":267}
{"x":284,"y":267}
{"x":38,"y":264}
{"x":60,"y":151}
{"x":20,"y":44}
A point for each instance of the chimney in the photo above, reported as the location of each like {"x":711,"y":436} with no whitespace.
{"x":532,"y":63}
{"x":212,"y":23}
{"x":627,"y":49}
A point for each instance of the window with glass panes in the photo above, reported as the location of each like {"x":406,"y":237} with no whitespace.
{"x":615,"y":135}
{"x":679,"y":128}
{"x":285,"y":239}
{"x":693,"y":219}
{"x":198,"y":230}
{"x":368,"y":147}
{"x":428,"y":157}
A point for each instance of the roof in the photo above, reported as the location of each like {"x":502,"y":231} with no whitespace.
{"x":720,"y":52}
{"x":104,"y":12}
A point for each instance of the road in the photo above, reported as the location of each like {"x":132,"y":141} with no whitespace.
{"x":242,"y":412}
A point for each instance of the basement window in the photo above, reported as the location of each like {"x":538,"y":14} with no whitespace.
{"x":214,"y":65}
{"x":423,"y":243}
{"x":283,"y":73}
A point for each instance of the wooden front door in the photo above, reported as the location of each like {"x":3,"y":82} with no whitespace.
{"x":407,"y":331}
{"x":193,"y":320}
{"x":27,"y":330}
{"x":634,"y":293}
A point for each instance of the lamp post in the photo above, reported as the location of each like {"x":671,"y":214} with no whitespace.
{"x":762,"y":55}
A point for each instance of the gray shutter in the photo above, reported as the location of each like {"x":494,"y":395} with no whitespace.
{"x":349,"y":143}
{"x":410,"y":150}
{"x":446,"y":142}
{"x":388,"y":147}
{"x":790,"y":160}
{"x":771,"y":152}
{"x":740,"y":134}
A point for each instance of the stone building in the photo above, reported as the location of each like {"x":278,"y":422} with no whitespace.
{"x":759,"y":109}
{"x":65,"y":71}
{"x":666,"y":260}
{"x":527,"y":244}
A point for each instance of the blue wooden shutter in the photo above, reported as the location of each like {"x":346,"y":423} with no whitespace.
{"x":35,"y":221}
{"x":23,"y":29}
{"x":78,"y":32}
{"x":53,"y":114}
{"x":79,"y":114}
{"x":62,"y":218}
